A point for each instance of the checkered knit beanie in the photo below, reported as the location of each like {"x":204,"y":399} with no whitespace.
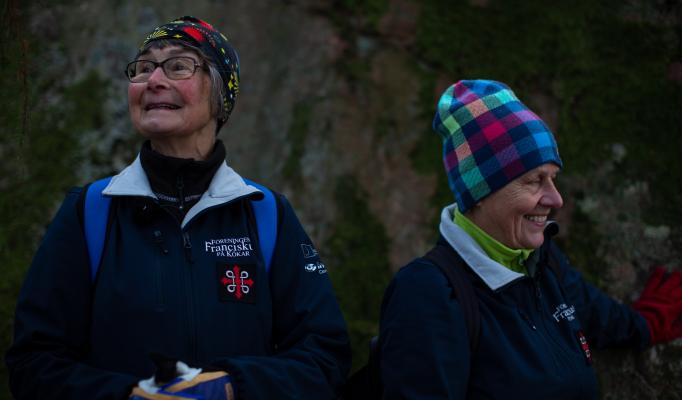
{"x":489,"y":139}
{"x":203,"y":35}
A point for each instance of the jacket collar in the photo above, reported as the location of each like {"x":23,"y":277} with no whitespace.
{"x":494,"y":274}
{"x":225,"y":186}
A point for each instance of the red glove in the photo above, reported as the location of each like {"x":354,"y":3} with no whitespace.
{"x":661,"y":305}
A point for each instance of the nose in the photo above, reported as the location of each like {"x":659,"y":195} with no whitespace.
{"x":551,"y":197}
{"x":157,"y":78}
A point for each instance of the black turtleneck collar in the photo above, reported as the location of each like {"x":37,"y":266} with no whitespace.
{"x":180,"y":182}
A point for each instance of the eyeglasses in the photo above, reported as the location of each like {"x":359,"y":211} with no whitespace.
{"x":175,"y":68}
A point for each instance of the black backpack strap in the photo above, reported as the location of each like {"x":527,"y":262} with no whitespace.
{"x":374,"y":389}
{"x":455,"y":269}
{"x":554,"y":265}
{"x":550,"y":256}
{"x":366,"y":382}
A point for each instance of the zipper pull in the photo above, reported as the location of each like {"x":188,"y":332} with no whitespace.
{"x":187,"y":244}
{"x":185,"y":240}
{"x":158,"y":239}
{"x":181,"y":196}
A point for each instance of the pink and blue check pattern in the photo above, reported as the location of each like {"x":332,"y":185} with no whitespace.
{"x":489,"y":139}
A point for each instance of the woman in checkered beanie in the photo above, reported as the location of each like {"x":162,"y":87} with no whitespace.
{"x":495,"y":310}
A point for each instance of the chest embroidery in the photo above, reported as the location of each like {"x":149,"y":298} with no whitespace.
{"x":229,"y":247}
{"x":237,"y":282}
{"x":563,"y":311}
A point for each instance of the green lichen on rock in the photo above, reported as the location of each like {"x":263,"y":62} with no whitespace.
{"x":296,"y":137}
{"x":358,"y":261}
{"x":367,"y":11}
{"x":43,"y":124}
{"x":356,"y":22}
{"x":426,"y":155}
{"x":606,"y":65}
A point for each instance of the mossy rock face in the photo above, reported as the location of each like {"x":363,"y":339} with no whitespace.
{"x":43,"y":123}
{"x":608,"y":67}
{"x":335,"y":111}
{"x":357,"y":252}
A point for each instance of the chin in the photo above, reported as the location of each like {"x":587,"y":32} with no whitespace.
{"x":156,"y":133}
{"x":533,"y":242}
{"x":156,"y":129}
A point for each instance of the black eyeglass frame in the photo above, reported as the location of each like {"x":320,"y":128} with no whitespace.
{"x":161,"y":64}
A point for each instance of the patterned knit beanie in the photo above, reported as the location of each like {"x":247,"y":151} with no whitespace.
{"x":489,"y":139}
{"x":214,"y":44}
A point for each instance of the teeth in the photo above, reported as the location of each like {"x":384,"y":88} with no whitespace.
{"x":536,"y":218}
{"x":167,"y":106}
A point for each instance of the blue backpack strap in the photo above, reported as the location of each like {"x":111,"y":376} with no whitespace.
{"x":265,"y":211}
{"x":95,"y":216}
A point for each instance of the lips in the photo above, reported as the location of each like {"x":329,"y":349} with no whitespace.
{"x":161,"y":106}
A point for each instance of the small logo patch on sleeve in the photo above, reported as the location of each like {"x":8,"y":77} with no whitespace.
{"x":308,"y":250}
{"x":316,"y":267}
{"x":584,"y":346}
{"x":237,"y":282}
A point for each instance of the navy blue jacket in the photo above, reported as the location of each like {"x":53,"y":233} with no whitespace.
{"x":196,"y":290}
{"x":529,"y":343}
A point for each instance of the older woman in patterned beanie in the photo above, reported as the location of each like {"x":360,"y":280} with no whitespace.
{"x":495,"y":310}
{"x":178,"y":278}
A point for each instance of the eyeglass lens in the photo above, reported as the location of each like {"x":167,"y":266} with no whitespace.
{"x":175,"y":68}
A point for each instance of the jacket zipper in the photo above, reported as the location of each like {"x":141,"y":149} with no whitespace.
{"x":189,"y":294}
{"x":538,"y":295}
{"x":187,"y":249}
{"x":180,"y":185}
{"x":189,"y":282}
{"x":158,"y":239}
{"x":545,"y":333}
{"x":528,"y":320}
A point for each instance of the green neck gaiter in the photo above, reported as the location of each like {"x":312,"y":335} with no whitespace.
{"x":510,"y":258}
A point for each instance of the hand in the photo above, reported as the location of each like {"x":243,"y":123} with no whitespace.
{"x":661,"y":305}
{"x":189,"y":383}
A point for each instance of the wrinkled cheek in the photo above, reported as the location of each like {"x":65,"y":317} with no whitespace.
{"x":134,"y":108}
{"x":133,"y":92}
{"x":134,"y":114}
{"x":523,"y":234}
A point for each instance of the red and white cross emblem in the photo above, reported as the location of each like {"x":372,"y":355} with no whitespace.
{"x":237,"y":282}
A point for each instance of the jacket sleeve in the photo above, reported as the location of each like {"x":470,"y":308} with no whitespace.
{"x":312,"y":349}
{"x":51,"y":328}
{"x":607,"y":322}
{"x":424,"y":341}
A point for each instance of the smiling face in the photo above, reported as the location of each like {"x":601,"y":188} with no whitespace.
{"x":516,"y":214}
{"x":165,"y":110}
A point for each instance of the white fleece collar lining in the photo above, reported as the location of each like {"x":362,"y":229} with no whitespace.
{"x":494,"y":274}
{"x":225,"y":186}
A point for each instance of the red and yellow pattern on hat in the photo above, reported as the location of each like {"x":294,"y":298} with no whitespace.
{"x":203,"y":35}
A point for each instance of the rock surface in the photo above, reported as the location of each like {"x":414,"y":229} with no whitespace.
{"x":334,"y":89}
